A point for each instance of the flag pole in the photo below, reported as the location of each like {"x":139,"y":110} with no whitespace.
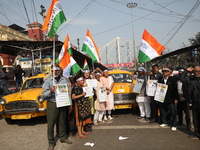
{"x":53,"y":58}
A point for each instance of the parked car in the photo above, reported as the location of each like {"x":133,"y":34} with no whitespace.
{"x":25,"y":104}
{"x":123,"y":86}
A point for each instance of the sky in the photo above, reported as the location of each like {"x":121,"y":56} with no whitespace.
{"x":169,"y":21}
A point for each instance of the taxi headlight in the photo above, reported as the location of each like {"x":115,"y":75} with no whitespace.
{"x":41,"y":99}
{"x":2,"y":101}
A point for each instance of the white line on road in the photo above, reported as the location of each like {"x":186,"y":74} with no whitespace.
{"x":130,"y":127}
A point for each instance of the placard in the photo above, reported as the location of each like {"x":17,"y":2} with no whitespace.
{"x":91,"y":82}
{"x":62,"y":95}
{"x":88,"y":90}
{"x":138,"y":85}
{"x":102,"y":94}
{"x":151,"y":87}
{"x":161,"y":92}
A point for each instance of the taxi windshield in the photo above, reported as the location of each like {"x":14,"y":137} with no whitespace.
{"x":33,"y":83}
{"x":122,"y":78}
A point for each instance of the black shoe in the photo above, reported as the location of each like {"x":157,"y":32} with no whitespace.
{"x":152,"y":120}
{"x":67,"y":141}
{"x":51,"y":147}
{"x":148,"y":119}
{"x":140,"y":117}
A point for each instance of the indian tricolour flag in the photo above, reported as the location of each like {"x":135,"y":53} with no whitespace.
{"x":91,"y":48}
{"x":54,"y":18}
{"x":85,"y":65}
{"x":149,"y":48}
{"x":66,"y":61}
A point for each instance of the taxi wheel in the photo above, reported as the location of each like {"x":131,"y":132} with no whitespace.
{"x":9,"y":120}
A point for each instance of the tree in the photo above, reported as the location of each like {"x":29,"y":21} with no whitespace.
{"x":195,"y":40}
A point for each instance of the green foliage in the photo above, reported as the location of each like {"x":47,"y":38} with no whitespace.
{"x":195,"y":40}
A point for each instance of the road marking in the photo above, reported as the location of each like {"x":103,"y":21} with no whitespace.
{"x":130,"y":127}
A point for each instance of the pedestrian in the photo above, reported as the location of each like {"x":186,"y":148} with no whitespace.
{"x":171,"y":98}
{"x":53,"y":113}
{"x":183,"y":104}
{"x":141,"y":98}
{"x":19,"y":73}
{"x":193,"y":82}
{"x":100,"y":107}
{"x":4,"y":76}
{"x":154,"y":75}
{"x":82,"y":106}
{"x":108,"y":82}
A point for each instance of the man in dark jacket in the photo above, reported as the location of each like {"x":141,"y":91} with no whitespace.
{"x":183,"y":104}
{"x":193,"y":82}
{"x":154,"y":75}
{"x":171,"y":98}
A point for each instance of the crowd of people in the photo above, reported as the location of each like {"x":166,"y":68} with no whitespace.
{"x":183,"y":89}
{"x":83,"y":111}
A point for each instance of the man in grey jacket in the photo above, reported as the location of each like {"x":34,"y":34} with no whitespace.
{"x":55,"y":115}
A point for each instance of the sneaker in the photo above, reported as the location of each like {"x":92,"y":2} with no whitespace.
{"x":163,"y":125}
{"x":109,"y":117}
{"x":173,"y":128}
{"x":105,"y":118}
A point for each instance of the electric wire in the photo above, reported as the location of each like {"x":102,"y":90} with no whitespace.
{"x":77,"y":16}
{"x":29,"y":20}
{"x":4,"y":14}
{"x":182,"y":22}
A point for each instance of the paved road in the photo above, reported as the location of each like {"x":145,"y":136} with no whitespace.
{"x":31,"y":135}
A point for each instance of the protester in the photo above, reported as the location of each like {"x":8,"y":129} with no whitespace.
{"x":87,"y":76}
{"x":141,"y":98}
{"x":82,"y":106}
{"x":154,"y":75}
{"x":171,"y":98}
{"x":193,"y":83}
{"x":108,"y":82}
{"x":183,"y":104}
{"x":53,"y":113}
{"x":4,"y":76}
{"x":99,"y":106}
{"x":19,"y":73}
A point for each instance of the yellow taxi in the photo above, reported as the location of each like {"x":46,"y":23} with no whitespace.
{"x":123,"y":86}
{"x":25,"y":104}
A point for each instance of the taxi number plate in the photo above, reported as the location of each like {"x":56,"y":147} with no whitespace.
{"x":123,"y":106}
{"x":26,"y":116}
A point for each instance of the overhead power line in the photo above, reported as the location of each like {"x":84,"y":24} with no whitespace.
{"x":182,"y":22}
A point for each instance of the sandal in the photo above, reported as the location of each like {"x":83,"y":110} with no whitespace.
{"x":96,"y":124}
{"x":86,"y":133}
{"x":82,"y":136}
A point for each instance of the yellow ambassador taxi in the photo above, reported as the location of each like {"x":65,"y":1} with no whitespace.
{"x":123,"y":86}
{"x":25,"y":104}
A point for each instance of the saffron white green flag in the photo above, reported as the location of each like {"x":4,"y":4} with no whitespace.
{"x":66,"y":61}
{"x":149,"y":48}
{"x":91,"y":48}
{"x":54,"y":18}
{"x":85,"y":65}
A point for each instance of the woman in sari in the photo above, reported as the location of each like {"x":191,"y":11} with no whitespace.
{"x":82,"y":106}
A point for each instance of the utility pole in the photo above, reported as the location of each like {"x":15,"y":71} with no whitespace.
{"x":133,"y":5}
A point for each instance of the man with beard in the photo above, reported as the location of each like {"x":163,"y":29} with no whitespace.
{"x":55,"y":115}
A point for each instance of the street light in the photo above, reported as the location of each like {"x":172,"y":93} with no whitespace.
{"x":133,"y":5}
